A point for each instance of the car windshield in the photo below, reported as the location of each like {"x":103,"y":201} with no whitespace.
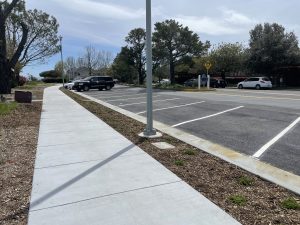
{"x":87,"y":78}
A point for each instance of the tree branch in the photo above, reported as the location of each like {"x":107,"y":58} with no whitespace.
{"x":9,"y":8}
{"x":18,"y":53}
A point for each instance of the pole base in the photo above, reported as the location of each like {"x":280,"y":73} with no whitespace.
{"x":150,"y":135}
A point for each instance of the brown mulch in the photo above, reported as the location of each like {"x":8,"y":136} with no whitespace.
{"x":214,"y":178}
{"x":18,"y":142}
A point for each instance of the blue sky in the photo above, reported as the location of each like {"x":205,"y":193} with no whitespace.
{"x":105,"y":23}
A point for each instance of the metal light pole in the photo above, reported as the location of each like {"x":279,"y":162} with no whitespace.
{"x":149,"y":131}
{"x":62,"y":61}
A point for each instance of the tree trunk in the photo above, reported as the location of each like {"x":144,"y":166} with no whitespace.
{"x":172,"y":72}
{"x":5,"y":71}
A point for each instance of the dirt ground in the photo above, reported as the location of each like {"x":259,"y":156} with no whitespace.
{"x":248,"y":198}
{"x":18,"y":142}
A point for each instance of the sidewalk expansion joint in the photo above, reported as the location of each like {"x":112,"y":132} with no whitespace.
{"x":82,"y":162}
{"x":104,"y":196}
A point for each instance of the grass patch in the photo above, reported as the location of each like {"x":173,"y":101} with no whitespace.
{"x":34,"y":84}
{"x":6,"y":108}
{"x":190,"y":152}
{"x":179,"y":163}
{"x":245,"y":181}
{"x":290,"y":203}
{"x":238,"y":199}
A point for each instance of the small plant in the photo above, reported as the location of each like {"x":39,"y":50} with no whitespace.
{"x":190,"y":152}
{"x":245,"y":181}
{"x":179,"y":163}
{"x":290,"y":203}
{"x":6,"y":108}
{"x":238,"y":199}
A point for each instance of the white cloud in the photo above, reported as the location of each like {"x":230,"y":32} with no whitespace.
{"x":227,"y":22}
{"x":100,"y":9}
{"x":206,"y":25}
{"x":234,"y":17}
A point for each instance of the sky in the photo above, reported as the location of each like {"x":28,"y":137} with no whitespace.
{"x":105,"y":23}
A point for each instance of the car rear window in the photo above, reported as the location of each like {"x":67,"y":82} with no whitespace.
{"x":265,"y":79}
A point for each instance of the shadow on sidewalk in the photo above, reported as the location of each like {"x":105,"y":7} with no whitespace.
{"x":79,"y":177}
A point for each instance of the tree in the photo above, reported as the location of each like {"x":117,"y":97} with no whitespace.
{"x":172,"y":41}
{"x":51,"y":76}
{"x":271,"y":48}
{"x":228,"y":57}
{"x":42,"y":41}
{"x":123,"y":66}
{"x":136,"y":42}
{"x":70,"y":66}
{"x":8,"y":64}
{"x":91,"y":59}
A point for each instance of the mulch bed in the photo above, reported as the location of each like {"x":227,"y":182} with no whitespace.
{"x":219,"y":181}
{"x":18,"y":138}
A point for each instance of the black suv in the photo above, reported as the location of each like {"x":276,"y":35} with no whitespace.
{"x":94,"y":82}
{"x":217,"y":83}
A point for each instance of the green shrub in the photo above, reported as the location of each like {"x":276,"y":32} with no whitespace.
{"x":245,"y":181}
{"x":238,"y":199}
{"x":290,"y":203}
{"x":179,"y":163}
{"x":190,"y":152}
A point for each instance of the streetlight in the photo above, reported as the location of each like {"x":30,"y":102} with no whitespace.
{"x":149,"y":132}
{"x":62,"y":61}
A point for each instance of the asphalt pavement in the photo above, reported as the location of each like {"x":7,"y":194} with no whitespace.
{"x":247,"y":121}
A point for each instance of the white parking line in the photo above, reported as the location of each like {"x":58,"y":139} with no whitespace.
{"x":139,"y":103}
{"x":116,"y":100}
{"x":119,"y":96}
{"x":275,"y":139}
{"x":202,"y":118}
{"x":251,"y":96}
{"x":173,"y":107}
{"x":261,"y":92}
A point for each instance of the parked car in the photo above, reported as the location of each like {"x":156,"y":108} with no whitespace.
{"x":69,"y":85}
{"x":191,"y":83}
{"x":94,"y":82}
{"x":217,"y":83}
{"x":165,"y":81}
{"x":255,"y":82}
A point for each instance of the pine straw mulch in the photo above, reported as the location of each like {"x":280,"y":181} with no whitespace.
{"x":18,"y":142}
{"x":216,"y":179}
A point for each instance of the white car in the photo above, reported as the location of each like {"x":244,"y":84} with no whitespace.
{"x":69,"y":85}
{"x":165,"y":81}
{"x":255,"y":82}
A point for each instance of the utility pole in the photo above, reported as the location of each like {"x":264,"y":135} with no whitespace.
{"x":149,"y":132}
{"x":62,"y":61}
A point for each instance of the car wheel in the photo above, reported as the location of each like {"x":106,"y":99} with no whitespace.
{"x":108,"y":87}
{"x":78,"y":89}
{"x":86,"y":88}
{"x":257,"y":87}
{"x":240,"y":86}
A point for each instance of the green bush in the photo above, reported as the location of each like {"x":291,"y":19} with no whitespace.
{"x":190,"y":152}
{"x":245,"y":181}
{"x":238,"y":199}
{"x":179,"y":163}
{"x":290,"y":203}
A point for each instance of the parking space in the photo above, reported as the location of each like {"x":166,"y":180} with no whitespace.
{"x":245,"y":121}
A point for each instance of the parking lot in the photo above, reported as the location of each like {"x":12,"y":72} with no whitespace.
{"x":264,"y":124}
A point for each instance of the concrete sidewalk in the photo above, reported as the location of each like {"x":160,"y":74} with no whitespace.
{"x":87,"y":173}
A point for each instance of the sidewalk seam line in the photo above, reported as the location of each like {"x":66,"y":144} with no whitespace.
{"x":104,"y":196}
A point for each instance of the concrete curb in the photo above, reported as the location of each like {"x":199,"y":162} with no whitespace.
{"x":266,"y":171}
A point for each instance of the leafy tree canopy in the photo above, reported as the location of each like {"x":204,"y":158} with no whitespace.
{"x":172,"y":42}
{"x":271,"y":47}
